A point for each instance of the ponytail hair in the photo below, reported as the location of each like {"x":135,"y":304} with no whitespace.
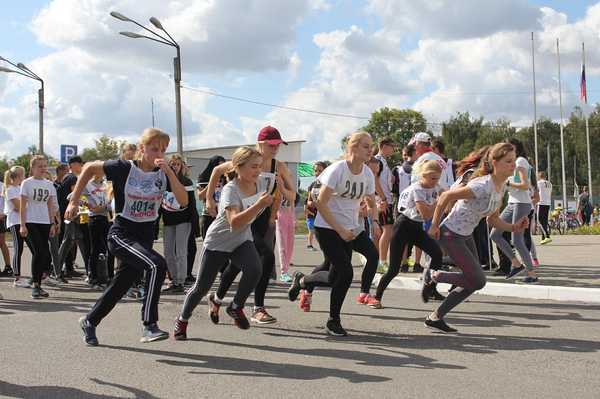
{"x":11,"y":175}
{"x":240,"y":157}
{"x":472,"y":161}
{"x":495,"y":153}
{"x":354,"y":139}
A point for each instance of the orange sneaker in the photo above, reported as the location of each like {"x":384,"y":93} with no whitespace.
{"x":362,"y":298}
{"x":374,"y":303}
{"x":305,"y":300}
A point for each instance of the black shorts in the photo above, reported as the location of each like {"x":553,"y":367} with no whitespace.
{"x":3,"y":228}
{"x":387,"y":218}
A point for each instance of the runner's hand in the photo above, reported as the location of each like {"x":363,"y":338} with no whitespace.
{"x":211,"y":207}
{"x":72,"y":211}
{"x":23,"y":231}
{"x":522,"y":224}
{"x":265,"y":200}
{"x":346,"y":235}
{"x":434,"y":232}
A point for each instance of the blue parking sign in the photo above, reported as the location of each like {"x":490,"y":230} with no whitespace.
{"x":66,"y":152}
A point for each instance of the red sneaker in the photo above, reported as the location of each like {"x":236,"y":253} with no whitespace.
{"x":374,"y":303}
{"x":180,"y":330}
{"x":305,"y":300}
{"x":362,"y":298}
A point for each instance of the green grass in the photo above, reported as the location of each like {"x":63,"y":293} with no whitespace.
{"x":586,"y":230}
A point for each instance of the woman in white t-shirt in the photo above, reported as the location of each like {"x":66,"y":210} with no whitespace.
{"x":481,"y":197}
{"x":38,"y":222}
{"x":340,"y":230}
{"x":519,"y":206}
{"x":13,"y":178}
{"x":545,"y":190}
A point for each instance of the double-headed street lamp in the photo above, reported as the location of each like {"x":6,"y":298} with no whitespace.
{"x":169,"y":41}
{"x":23,"y":70}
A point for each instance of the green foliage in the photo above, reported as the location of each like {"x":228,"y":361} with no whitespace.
{"x":586,"y":230}
{"x":3,"y":167}
{"x":399,"y":124}
{"x":105,"y":148}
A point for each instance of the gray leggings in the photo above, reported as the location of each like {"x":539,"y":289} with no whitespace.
{"x":471,"y":278}
{"x":245,"y":257}
{"x":176,"y":250}
{"x":511,"y":214}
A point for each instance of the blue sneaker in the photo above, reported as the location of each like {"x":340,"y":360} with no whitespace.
{"x":152,"y":333}
{"x":89,"y":332}
{"x":285,"y":278}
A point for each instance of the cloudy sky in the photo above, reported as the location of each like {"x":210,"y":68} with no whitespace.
{"x":336,"y":56}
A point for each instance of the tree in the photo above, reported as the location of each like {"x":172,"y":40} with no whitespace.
{"x":3,"y":167}
{"x":399,"y":124}
{"x":105,"y":148}
{"x":460,"y":134}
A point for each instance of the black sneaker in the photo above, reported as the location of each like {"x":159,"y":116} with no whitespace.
{"x":404,"y":268}
{"x":213,"y":308}
{"x":428,"y":287}
{"x":514,"y":271}
{"x":7,"y":272}
{"x":334,"y":328}
{"x":500,"y":272}
{"x":435,"y":295}
{"x":89,"y":332}
{"x":417,"y":268}
{"x":295,"y":287}
{"x":439,"y":325}
{"x":74,"y":274}
{"x":238,"y":316}
{"x":530,"y":280}
{"x":36,"y":293}
{"x":43,"y":293}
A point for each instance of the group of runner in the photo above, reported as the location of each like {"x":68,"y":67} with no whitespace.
{"x":357,"y":204}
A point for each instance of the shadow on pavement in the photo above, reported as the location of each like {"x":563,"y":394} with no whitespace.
{"x":255,"y":368}
{"x":52,"y":392}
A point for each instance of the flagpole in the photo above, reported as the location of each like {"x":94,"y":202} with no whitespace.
{"x":562,"y":137}
{"x":535,"y":137}
{"x":587,"y":125}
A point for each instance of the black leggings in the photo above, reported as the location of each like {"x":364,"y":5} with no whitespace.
{"x":340,"y":275}
{"x":265,"y":245}
{"x":17,"y":249}
{"x":543,"y":211}
{"x":210,"y":264}
{"x":405,"y":232}
{"x":192,"y":249}
{"x":135,"y":257}
{"x":98,"y":226}
{"x":323,"y":267}
{"x":37,"y":241}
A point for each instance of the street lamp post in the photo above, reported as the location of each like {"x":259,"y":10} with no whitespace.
{"x":169,"y":41}
{"x":23,"y":70}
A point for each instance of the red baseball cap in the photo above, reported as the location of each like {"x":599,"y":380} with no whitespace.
{"x":270,"y":135}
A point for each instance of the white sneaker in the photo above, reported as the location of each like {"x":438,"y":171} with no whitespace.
{"x":21,"y":283}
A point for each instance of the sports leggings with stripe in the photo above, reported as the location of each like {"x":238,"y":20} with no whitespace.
{"x":135,"y":256}
{"x":211,"y":262}
{"x":17,"y":249}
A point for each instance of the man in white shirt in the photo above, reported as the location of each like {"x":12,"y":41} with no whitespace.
{"x":545,"y":190}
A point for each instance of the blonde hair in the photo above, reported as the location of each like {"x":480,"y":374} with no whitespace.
{"x":151,"y":135}
{"x":240,"y":157}
{"x":427,"y":168}
{"x":128,"y":147}
{"x":10,"y":176}
{"x":35,"y":159}
{"x":177,"y":157}
{"x":495,"y":153}
{"x":354,"y":139}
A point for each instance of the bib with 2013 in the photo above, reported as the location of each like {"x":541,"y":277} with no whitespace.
{"x":143,"y":194}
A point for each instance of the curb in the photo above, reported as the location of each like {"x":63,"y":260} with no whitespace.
{"x":551,"y":292}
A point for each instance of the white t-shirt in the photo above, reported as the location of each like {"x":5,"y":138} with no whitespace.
{"x":516,"y":195}
{"x":466,"y":214}
{"x":38,"y":192}
{"x":12,"y":215}
{"x":432,"y":156}
{"x":2,"y":199}
{"x":413,"y":194}
{"x":385,"y":179}
{"x":545,"y":189}
{"x":348,"y":191}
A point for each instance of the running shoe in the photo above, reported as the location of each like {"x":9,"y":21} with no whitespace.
{"x":152,"y":333}
{"x":180,"y":330}
{"x":36,"y":294}
{"x":173,"y":289}
{"x":417,"y":268}
{"x":334,"y":328}
{"x":311,"y":248}
{"x":500,"y":272}
{"x":43,"y":293}
{"x":404,"y":268}
{"x":7,"y":272}
{"x":382,"y":267}
{"x":56,"y":280}
{"x":261,"y":316}
{"x":305,"y":300}
{"x":536,"y":263}
{"x":295,"y":287}
{"x":514,"y":271}
{"x":190,"y":280}
{"x":285,"y":278}
{"x":530,"y":280}
{"x":74,"y":273}
{"x":436,"y":296}
{"x":238,"y":316}
{"x":89,"y":332}
{"x":213,"y":308}
{"x":427,"y":288}
{"x":439,"y":325}
{"x":545,"y":241}
{"x":374,"y":303}
{"x":21,"y":283}
{"x":362,"y":298}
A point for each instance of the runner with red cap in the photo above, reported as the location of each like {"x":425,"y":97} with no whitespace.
{"x":281,"y":186}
